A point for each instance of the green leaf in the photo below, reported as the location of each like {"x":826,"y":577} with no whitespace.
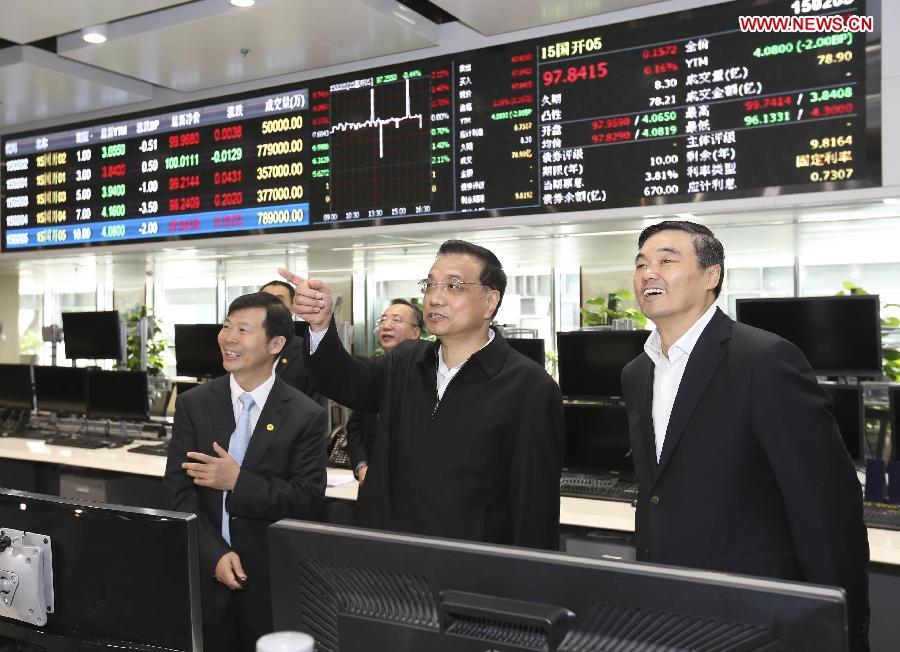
{"x":628,"y":295}
{"x":596,"y":301}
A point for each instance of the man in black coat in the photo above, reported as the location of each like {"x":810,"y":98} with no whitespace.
{"x":291,"y":363}
{"x":246,"y":450}
{"x":399,"y":322}
{"x":740,"y":463}
{"x":470,"y":432}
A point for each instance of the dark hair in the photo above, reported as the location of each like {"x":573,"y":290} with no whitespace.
{"x":417,"y":314}
{"x":278,"y":320}
{"x":707,"y":247}
{"x":287,"y":286}
{"x":492,"y":274}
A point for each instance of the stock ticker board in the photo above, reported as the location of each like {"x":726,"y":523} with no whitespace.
{"x":674,"y":108}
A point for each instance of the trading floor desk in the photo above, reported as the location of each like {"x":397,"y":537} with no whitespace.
{"x":590,"y":527}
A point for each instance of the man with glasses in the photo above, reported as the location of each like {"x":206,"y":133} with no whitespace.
{"x":470,"y":432}
{"x":399,"y":322}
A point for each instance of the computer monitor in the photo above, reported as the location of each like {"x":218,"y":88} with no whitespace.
{"x":530,"y":348}
{"x":197,"y":350}
{"x":123,"y":578}
{"x":597,"y":439}
{"x":95,"y":335}
{"x":117,"y":395}
{"x":16,"y":390}
{"x":354,"y":589}
{"x":591,"y":362}
{"x":60,"y":389}
{"x":894,"y":394}
{"x":840,"y":336}
{"x":850,"y":416}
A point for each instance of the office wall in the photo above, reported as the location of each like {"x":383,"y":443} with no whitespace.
{"x":9,"y":317}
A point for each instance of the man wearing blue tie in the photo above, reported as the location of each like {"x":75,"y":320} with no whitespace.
{"x":246,"y":451}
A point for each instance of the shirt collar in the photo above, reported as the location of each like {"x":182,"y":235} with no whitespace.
{"x":684,"y":345}
{"x":443,"y":369}
{"x":260,"y":394}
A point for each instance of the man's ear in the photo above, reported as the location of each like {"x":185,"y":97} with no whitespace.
{"x":493,"y":299}
{"x":276,"y":344}
{"x":713,"y":274}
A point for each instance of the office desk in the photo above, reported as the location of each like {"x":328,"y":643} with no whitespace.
{"x":131,"y":478}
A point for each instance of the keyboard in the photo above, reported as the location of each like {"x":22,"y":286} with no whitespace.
{"x":151,"y":449}
{"x":882,"y":515}
{"x":87,"y":442}
{"x":597,"y":487}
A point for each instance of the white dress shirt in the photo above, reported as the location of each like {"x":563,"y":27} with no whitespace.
{"x":444,"y":373}
{"x":260,"y":396}
{"x":669,"y":372}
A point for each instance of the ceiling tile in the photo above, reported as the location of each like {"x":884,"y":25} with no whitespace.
{"x":35,"y":85}
{"x":24,"y":22}
{"x":205,"y":44}
{"x":501,"y":16}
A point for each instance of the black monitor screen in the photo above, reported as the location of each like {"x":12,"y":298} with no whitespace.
{"x":530,"y":348}
{"x":354,"y":589}
{"x":197,"y":350}
{"x":94,"y":335}
{"x":591,"y":362}
{"x":15,"y":386}
{"x":117,"y":394}
{"x":849,"y":414}
{"x":895,"y":423}
{"x":60,"y":389}
{"x":840,"y":336}
{"x":597,"y":439}
{"x":124,"y":578}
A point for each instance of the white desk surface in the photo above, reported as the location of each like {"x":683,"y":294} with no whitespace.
{"x":884,"y":545}
{"x":104,"y":459}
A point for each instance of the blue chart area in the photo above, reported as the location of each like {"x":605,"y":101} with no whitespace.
{"x":381,"y":146}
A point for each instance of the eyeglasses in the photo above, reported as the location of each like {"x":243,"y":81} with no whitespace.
{"x":450,"y":286}
{"x":394,"y":319}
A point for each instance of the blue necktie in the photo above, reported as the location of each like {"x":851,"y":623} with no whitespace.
{"x":237,"y":448}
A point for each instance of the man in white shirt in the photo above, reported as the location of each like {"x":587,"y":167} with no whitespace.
{"x":246,"y":450}
{"x":740,"y":463}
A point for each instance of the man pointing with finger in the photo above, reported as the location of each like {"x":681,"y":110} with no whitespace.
{"x":470,"y":432}
{"x":246,"y":450}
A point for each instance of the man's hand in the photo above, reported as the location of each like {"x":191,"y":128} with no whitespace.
{"x":230,"y":572}
{"x":361,"y":474}
{"x":214,"y":472}
{"x":312,"y":301}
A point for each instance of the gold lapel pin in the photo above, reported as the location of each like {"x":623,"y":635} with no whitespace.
{"x":284,"y":361}
{"x":270,"y":427}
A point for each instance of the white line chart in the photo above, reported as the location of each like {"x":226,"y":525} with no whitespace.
{"x":373,"y":121}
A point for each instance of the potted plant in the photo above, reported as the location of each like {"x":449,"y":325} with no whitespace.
{"x":155,"y":343}
{"x":889,"y":325}
{"x":601,"y":311}
{"x":30,"y":345}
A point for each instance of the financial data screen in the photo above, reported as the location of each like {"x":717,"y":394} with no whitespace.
{"x":675,"y":108}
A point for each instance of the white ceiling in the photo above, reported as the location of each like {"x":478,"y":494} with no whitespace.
{"x":157,"y":45}
{"x":160,"y":49}
{"x":500,"y":16}
{"x":46,"y":86}
{"x":209,"y":43}
{"x":32,"y":20}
